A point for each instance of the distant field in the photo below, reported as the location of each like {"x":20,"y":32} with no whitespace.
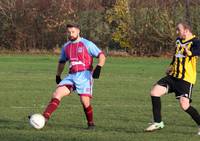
{"x":122,"y":106}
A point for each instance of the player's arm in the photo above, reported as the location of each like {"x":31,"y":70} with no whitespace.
{"x":188,"y":52}
{"x":60,"y":68}
{"x":61,"y":65}
{"x":101,"y":62}
{"x":170,"y":67}
{"x":195,"y":48}
{"x":96,"y":52}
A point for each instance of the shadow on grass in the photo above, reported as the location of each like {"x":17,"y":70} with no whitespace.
{"x":64,"y":126}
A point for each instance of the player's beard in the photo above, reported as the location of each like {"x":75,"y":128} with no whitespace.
{"x":71,"y":38}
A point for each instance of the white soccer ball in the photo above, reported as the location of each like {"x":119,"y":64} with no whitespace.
{"x":37,"y":121}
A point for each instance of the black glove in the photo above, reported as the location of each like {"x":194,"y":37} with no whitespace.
{"x":58,"y":79}
{"x":96,"y":72}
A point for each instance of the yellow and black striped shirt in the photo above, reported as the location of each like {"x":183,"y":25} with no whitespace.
{"x":184,"y":66}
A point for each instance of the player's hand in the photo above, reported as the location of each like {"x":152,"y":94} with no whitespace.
{"x":187,"y":51}
{"x":96,"y":72}
{"x":58,"y":79}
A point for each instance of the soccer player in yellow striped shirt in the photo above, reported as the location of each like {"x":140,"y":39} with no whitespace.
{"x":180,"y":78}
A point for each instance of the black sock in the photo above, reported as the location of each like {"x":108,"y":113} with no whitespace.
{"x":156,"y":107}
{"x":194,"y":114}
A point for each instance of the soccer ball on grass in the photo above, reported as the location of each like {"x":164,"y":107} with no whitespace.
{"x":37,"y":121}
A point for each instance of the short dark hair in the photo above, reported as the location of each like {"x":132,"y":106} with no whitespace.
{"x":70,"y":25}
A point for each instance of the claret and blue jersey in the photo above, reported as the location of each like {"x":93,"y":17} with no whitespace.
{"x":79,"y":54}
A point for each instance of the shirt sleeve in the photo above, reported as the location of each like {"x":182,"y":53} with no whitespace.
{"x":93,"y":49}
{"x":195,"y":49}
{"x":63,"y":57}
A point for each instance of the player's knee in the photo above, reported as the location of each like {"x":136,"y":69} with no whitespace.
{"x":158,"y":91}
{"x":61,"y":92}
{"x":184,"y":103}
{"x":57,"y":95}
{"x":184,"y":106}
{"x":85,"y":105}
{"x":85,"y":101}
{"x":154,"y":92}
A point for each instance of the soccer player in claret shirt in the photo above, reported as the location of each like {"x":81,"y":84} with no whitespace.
{"x":181,"y":76}
{"x":79,"y":52}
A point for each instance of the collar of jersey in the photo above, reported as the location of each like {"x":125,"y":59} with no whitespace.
{"x":184,"y":41}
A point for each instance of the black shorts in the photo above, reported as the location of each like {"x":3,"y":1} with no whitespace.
{"x":178,"y":86}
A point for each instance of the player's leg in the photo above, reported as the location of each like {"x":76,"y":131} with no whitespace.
{"x":84,"y":84}
{"x":63,"y":89}
{"x":59,"y":93}
{"x":185,"y":105}
{"x":184,"y":94}
{"x":85,"y":101}
{"x":157,"y":91}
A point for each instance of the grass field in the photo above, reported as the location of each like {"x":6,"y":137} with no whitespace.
{"x":122,"y":106}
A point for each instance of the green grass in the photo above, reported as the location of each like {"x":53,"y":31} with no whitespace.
{"x":122,"y":106}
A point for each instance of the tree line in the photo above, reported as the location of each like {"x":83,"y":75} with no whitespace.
{"x":136,"y":27}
